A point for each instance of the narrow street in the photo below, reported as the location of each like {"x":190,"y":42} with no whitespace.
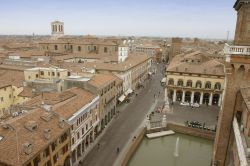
{"x":120,"y":131}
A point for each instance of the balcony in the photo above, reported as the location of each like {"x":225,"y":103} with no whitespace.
{"x":236,"y":50}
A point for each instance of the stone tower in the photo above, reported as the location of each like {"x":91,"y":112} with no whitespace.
{"x":57,"y":29}
{"x":237,"y":69}
{"x":175,"y":48}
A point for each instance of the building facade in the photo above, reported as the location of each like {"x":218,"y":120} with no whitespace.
{"x":194,"y":78}
{"x":237,"y":76}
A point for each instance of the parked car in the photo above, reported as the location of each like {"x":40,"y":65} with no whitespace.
{"x":195,"y":105}
{"x":184,"y":103}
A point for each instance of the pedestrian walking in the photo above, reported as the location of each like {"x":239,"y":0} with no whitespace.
{"x":117,"y":150}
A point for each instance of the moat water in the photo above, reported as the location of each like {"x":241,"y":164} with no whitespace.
{"x":192,"y":151}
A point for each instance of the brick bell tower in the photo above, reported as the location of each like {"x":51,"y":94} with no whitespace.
{"x":237,"y":74}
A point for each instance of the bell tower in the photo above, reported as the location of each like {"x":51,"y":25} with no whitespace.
{"x":237,"y":69}
{"x":57,"y":29}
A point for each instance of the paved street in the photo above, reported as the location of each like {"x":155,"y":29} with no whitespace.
{"x":181,"y":114}
{"x":121,"y":129}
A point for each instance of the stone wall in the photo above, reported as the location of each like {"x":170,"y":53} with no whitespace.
{"x":133,"y":147}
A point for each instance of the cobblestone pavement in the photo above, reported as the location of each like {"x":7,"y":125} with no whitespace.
{"x":121,"y":129}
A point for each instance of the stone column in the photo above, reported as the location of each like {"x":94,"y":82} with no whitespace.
{"x":219,"y":102}
{"x":192,"y":97}
{"x":183,"y":96}
{"x":210,"y":99}
{"x":201,"y":98}
{"x":166,"y":93}
{"x":174,"y":96}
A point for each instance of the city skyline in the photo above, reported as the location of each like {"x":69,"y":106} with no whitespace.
{"x":138,"y":18}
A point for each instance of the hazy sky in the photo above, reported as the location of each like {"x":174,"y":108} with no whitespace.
{"x":184,"y":18}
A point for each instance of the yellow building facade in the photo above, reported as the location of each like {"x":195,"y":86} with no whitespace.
{"x":194,"y":78}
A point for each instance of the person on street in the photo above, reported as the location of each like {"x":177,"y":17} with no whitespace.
{"x":117,"y":150}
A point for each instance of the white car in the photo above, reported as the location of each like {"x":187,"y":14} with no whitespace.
{"x":195,"y":105}
{"x":184,"y":103}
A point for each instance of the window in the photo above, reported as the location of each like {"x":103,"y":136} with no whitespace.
{"x":198,"y":84}
{"x":79,"y":48}
{"x":56,"y":47}
{"x":78,"y":135}
{"x":53,"y":146}
{"x":64,"y":137}
{"x":36,"y":160}
{"x":105,"y":49}
{"x":1,"y":99}
{"x":53,"y":73}
{"x":36,"y":75}
{"x":189,"y":83}
{"x":46,"y":152}
{"x":9,"y":95}
{"x":55,"y":158}
{"x":58,"y":74}
{"x":208,"y":85}
{"x":42,"y":73}
{"x":180,"y":83}
{"x":171,"y":81}
{"x":95,"y":48}
{"x":73,"y":140}
{"x":217,"y":86}
{"x":86,"y":126}
{"x":82,"y":130}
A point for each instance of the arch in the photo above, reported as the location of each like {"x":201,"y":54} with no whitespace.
{"x":189,"y":83}
{"x":206,"y":98}
{"x":216,"y":98}
{"x":217,"y":86}
{"x":179,"y":95}
{"x":208,"y":85}
{"x":188,"y":96}
{"x":197,"y":96}
{"x":241,"y":68}
{"x":170,"y":94}
{"x":198,"y":84}
{"x":171,"y":81}
{"x":180,"y":82}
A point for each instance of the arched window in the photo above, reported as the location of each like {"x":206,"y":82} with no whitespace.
{"x":189,"y":83}
{"x":217,"y":86}
{"x":180,"y":83}
{"x":208,"y":85}
{"x":198,"y":84}
{"x":56,"y":47}
{"x":171,"y":81}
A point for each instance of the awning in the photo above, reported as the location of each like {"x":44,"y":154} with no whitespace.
{"x":121,"y":98}
{"x":164,"y":79}
{"x":128,"y":92}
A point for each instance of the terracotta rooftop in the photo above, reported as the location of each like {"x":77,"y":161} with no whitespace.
{"x":69,"y":107}
{"x":129,"y":63}
{"x":196,"y":63}
{"x":101,"y":80}
{"x":11,"y":77}
{"x":15,"y":134}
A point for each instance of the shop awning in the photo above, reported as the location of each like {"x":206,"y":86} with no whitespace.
{"x":128,"y":92}
{"x":122,"y":98}
{"x":164,"y":80}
